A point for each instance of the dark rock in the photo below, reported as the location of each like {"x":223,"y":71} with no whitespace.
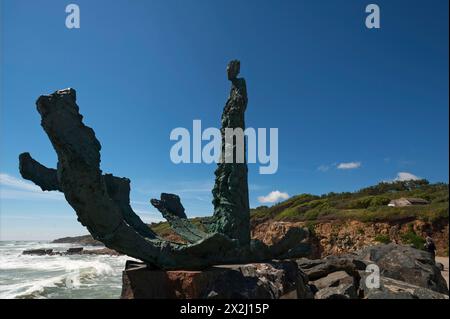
{"x":273,"y":280}
{"x":396,"y":289}
{"x":38,"y":252}
{"x":319,"y":268}
{"x":74,"y":251}
{"x":332,"y":280}
{"x":336,"y":285}
{"x":404,"y":263}
{"x":405,"y":272}
{"x":342,"y":291}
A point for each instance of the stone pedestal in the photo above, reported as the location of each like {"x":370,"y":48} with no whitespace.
{"x":272,"y":280}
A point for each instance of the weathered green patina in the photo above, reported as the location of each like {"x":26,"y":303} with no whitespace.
{"x":230,"y":192}
{"x":102,"y":203}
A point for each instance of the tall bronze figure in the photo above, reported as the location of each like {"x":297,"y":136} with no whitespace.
{"x":231,"y":203}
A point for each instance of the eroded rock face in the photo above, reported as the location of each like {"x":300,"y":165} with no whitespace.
{"x":272,"y":280}
{"x":337,"y":237}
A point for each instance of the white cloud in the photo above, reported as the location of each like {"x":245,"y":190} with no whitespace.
{"x":11,"y":181}
{"x":349,"y":165}
{"x":14,"y":188}
{"x":273,"y":197}
{"x":405,"y":176}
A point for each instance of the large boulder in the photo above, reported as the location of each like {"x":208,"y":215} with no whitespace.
{"x":334,"y":277}
{"x":404,"y":273}
{"x":272,"y":280}
{"x":342,"y":291}
{"x":407,"y":264}
{"x":396,"y":289}
{"x":74,"y":251}
{"x":332,"y":280}
{"x":319,"y":268}
{"x":38,"y":252}
{"x":336,"y":285}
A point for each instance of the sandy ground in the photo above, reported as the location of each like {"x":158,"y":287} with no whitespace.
{"x":444,"y":261}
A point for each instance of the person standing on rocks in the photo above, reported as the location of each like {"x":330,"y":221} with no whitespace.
{"x":430,"y":246}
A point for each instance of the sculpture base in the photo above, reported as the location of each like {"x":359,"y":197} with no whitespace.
{"x":271,"y":280}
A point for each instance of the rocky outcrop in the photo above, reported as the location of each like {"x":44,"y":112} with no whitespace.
{"x":272,"y":280}
{"x":85,"y":240}
{"x":404,"y":272}
{"x":38,"y":252}
{"x":343,"y":236}
{"x":74,"y":251}
{"x":71,"y":251}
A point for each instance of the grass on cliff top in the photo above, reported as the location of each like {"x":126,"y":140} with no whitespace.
{"x":366,"y":205}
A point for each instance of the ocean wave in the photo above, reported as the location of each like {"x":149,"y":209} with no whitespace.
{"x":32,"y":289}
{"x":25,"y":276}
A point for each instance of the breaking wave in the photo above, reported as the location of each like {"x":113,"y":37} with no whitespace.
{"x":74,"y":276}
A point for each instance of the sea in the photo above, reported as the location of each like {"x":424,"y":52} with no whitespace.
{"x":58,"y":277}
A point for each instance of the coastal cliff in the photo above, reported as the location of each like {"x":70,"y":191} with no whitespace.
{"x":339,"y":223}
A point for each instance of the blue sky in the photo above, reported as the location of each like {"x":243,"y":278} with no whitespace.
{"x":338,"y":92}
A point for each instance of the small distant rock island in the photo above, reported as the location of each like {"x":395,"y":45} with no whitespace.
{"x":70,"y":251}
{"x":86,"y":240}
{"x":237,"y":252}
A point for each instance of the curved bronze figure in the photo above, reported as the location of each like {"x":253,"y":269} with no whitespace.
{"x":102,"y":201}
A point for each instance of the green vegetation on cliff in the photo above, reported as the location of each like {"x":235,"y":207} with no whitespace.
{"x":366,"y":205}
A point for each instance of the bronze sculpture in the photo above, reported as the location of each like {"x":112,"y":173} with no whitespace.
{"x":102,"y":201}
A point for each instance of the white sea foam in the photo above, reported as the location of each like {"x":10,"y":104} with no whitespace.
{"x":74,"y":276}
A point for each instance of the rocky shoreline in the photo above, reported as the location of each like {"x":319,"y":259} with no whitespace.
{"x":71,"y":251}
{"x":404,"y":273}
